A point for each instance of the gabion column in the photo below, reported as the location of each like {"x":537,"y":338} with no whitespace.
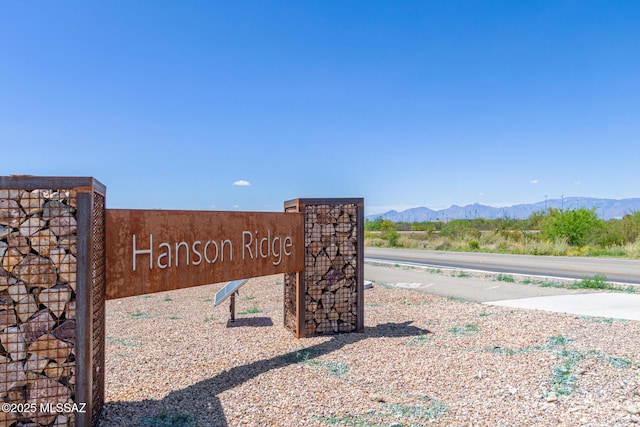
{"x":52,"y":288}
{"x":328,"y":296}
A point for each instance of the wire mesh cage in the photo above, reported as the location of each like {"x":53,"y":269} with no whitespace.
{"x":327,"y":297}
{"x":52,"y":286}
{"x":290,"y":281}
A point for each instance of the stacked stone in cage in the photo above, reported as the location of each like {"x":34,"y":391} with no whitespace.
{"x":330,"y":268}
{"x":37,"y":304}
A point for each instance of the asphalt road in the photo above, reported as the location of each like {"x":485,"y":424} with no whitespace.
{"x":616,"y":270}
{"x":467,"y":288}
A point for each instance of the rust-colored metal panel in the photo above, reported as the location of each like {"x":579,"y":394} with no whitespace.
{"x":156,"y":250}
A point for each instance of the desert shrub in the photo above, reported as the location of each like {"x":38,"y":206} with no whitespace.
{"x":408,"y":242}
{"x":442,"y":245}
{"x":621,"y":231}
{"x":389,"y":232}
{"x":608,"y":251}
{"x":599,"y":281}
{"x":460,"y":229}
{"x":546,"y":247}
{"x":633,"y":249}
{"x":419,"y":236}
{"x":427,"y":226}
{"x":580,"y":227}
{"x":374,"y":225}
{"x":376,"y":242}
{"x":514,"y":235}
{"x":371,"y":234}
{"x":535,"y":220}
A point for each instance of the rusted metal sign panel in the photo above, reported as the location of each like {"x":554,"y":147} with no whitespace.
{"x":155,"y":250}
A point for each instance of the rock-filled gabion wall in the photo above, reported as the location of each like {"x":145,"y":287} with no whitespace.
{"x":326,"y":298}
{"x":38,"y":309}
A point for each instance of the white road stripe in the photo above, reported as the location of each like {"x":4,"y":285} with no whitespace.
{"x":408,"y":285}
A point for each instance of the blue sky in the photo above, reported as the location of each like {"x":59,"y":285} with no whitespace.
{"x":404,"y":103}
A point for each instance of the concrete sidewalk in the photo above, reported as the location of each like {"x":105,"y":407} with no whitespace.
{"x":483,"y":288}
{"x":611,"y":305}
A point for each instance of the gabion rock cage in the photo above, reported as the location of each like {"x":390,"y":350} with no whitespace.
{"x":53,"y":253}
{"x":328,"y":296}
{"x":52,"y":301}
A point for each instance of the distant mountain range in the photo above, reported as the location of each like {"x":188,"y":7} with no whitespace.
{"x":605,"y":208}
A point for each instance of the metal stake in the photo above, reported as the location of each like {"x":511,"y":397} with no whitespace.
{"x":232,"y":306}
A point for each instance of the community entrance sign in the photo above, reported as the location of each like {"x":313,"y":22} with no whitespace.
{"x":155,"y":250}
{"x":62,"y":254}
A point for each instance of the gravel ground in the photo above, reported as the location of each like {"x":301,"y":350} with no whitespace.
{"x":171,"y":360}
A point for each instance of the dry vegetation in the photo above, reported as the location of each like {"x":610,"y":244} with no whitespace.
{"x":571,"y":232}
{"x":424,"y":360}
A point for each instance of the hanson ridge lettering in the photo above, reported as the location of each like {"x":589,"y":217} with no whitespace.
{"x":174,"y":254}
{"x":161,"y":250}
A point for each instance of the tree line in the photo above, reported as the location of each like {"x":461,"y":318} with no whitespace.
{"x":575,"y":228}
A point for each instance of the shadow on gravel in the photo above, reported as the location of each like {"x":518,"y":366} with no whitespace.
{"x":250,"y":321}
{"x":199,"y":405}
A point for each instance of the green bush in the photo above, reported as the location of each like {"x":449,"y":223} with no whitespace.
{"x":621,"y":231}
{"x":460,"y":228}
{"x":389,"y":232}
{"x":599,"y":281}
{"x":579,"y":227}
{"x":373,"y":225}
{"x":391,"y":235}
